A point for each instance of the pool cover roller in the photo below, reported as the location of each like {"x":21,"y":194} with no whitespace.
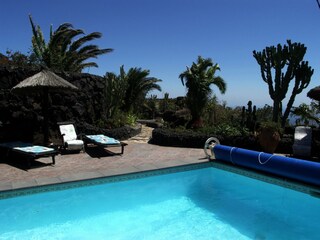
{"x":296,"y":169}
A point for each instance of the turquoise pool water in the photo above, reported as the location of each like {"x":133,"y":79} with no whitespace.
{"x":205,"y":203}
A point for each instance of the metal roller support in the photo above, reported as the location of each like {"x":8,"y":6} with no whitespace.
{"x":208,"y":146}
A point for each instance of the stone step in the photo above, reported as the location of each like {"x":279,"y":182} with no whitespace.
{"x":144,"y":136}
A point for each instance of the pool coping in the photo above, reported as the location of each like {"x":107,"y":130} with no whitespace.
{"x":93,"y":180}
{"x":96,"y":163}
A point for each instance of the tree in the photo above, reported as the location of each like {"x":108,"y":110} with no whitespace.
{"x":124,"y":91}
{"x":138,"y":86}
{"x":165,"y":102}
{"x":279,"y":66}
{"x":17,"y":59}
{"x":152,"y":106}
{"x":62,"y":52}
{"x":264,"y":114}
{"x":198,"y":79}
{"x":306,"y":113}
{"x":115,"y":88}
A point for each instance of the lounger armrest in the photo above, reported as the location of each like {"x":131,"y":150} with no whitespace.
{"x":80,"y":136}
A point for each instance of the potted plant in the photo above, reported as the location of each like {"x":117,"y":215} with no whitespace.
{"x":269,"y":136}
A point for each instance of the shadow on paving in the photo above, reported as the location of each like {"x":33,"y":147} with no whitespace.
{"x":22,"y":163}
{"x":99,"y":152}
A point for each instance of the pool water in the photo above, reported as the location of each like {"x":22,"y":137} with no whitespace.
{"x":206,"y":203}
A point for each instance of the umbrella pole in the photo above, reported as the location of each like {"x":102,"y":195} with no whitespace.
{"x":45,"y":109}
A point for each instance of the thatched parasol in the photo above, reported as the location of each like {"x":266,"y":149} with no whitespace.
{"x":314,"y":93}
{"x":44,"y":82}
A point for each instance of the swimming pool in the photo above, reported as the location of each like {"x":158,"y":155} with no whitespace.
{"x":202,"y":203}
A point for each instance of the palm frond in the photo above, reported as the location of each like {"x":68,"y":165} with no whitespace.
{"x":64,"y":53}
{"x":38,"y":42}
{"x":220,"y":83}
{"x":78,"y":43}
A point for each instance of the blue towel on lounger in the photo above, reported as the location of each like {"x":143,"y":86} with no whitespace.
{"x":26,"y":147}
{"x":103,"y":139}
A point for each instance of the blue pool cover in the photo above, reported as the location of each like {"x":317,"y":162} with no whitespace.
{"x":293,"y":168}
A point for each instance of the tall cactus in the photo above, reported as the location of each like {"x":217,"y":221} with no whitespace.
{"x":248,"y":116}
{"x":279,"y":66}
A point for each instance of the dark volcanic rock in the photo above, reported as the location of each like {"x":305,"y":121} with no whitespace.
{"x":21,"y":116}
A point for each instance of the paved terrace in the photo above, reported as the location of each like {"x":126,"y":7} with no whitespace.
{"x":95,"y":163}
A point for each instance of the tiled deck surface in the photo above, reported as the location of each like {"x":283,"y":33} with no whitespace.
{"x":95,"y":163}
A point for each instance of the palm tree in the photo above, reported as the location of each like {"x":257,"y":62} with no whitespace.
{"x":62,"y":52}
{"x":138,"y":86}
{"x":198,"y":79}
{"x":306,"y":113}
{"x":126,"y":90}
{"x":115,"y":88}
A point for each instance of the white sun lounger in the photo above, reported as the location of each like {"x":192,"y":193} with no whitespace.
{"x":302,"y":141}
{"x":69,"y":136}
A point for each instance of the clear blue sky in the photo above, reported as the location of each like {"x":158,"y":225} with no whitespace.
{"x":166,"y":36}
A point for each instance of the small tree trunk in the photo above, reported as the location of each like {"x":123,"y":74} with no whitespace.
{"x":287,"y":111}
{"x":276,"y":110}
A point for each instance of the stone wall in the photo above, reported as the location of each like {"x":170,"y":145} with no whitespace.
{"x":21,"y":116}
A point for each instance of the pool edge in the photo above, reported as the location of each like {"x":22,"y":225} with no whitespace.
{"x":269,"y":178}
{"x":57,"y":186}
{"x":63,"y":185}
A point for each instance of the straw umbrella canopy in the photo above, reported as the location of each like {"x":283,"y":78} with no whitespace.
{"x":314,"y":93}
{"x":44,"y":82}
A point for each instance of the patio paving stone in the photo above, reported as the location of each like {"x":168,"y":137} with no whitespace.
{"x":95,"y":163}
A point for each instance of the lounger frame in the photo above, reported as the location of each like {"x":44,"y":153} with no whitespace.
{"x":87,"y":141}
{"x":30,"y":156}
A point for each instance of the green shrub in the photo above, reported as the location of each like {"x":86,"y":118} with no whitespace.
{"x":131,"y":119}
{"x":225,"y":129}
{"x":119,"y":119}
{"x":271,"y":126}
